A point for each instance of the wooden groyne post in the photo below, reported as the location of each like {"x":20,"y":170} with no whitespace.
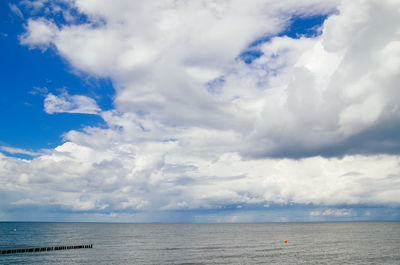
{"x":25,"y":250}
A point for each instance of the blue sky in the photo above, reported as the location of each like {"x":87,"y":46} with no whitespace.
{"x":25,"y":73}
{"x":211,"y":112}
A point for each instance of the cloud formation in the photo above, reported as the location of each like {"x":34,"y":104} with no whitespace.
{"x":302,"y":97}
{"x":80,"y":178}
{"x":333,"y":212}
{"x":16,"y":10}
{"x":310,"y":120}
{"x":13,"y":150}
{"x":70,"y":104}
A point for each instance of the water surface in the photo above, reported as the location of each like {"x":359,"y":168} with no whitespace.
{"x":308,"y":243}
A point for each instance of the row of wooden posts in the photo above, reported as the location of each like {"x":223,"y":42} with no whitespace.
{"x":24,"y":250}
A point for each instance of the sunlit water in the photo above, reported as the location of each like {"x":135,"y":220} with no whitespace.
{"x":308,"y":243}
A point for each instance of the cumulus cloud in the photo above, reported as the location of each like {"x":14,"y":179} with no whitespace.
{"x":39,"y":33}
{"x":70,"y":104}
{"x":302,"y":97}
{"x":196,"y":127}
{"x":158,"y":177}
{"x":331,"y":88}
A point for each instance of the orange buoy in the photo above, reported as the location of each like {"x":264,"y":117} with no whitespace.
{"x":285,"y":241}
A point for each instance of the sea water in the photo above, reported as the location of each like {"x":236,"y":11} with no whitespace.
{"x":307,"y":243}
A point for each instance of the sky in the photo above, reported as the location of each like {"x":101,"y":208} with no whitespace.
{"x":199,"y":111}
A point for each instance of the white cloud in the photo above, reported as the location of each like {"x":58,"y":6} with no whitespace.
{"x":164,"y":176}
{"x":39,"y":91}
{"x":328,"y":88}
{"x":13,"y":150}
{"x":190,"y":115}
{"x":35,"y":6}
{"x":39,"y":33}
{"x":333,"y":212}
{"x":24,"y":202}
{"x":70,"y":104}
{"x":16,"y":10}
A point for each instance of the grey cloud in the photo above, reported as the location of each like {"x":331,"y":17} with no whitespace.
{"x":349,"y":109}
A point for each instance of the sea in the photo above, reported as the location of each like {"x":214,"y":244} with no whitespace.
{"x":260,"y":243}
